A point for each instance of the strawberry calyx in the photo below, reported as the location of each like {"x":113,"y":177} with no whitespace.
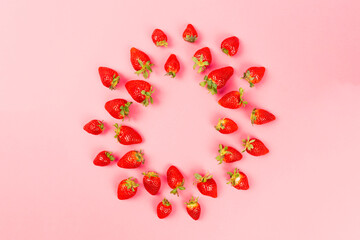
{"x":117,"y":130}
{"x":248,"y":77}
{"x":101,"y":125}
{"x":211,"y":85}
{"x":145,"y":68}
{"x":221,"y":124}
{"x":162,"y":43}
{"x":166,"y":202}
{"x":179,"y":187}
{"x":139,"y":155}
{"x":148,"y":98}
{"x":150,"y":174}
{"x":171,"y":74}
{"x":223,"y":150}
{"x":110,"y":156}
{"x":226,"y":51}
{"x":131,"y":184}
{"x":193,"y":202}
{"x":190,"y":38}
{"x":242,"y":102}
{"x":200,"y":62}
{"x":124,"y":109}
{"x":247,"y":143}
{"x":204,"y":178}
{"x":235,"y":177}
{"x":114,"y":82}
{"x":253,"y":116}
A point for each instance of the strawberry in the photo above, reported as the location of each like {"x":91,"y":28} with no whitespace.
{"x":217,"y":79}
{"x":152,"y":182}
{"x":140,"y":91}
{"x":261,"y":116}
{"x":118,"y":108}
{"x":233,"y":99}
{"x":255,"y":147}
{"x":238,"y":180}
{"x":226,"y":126}
{"x":228,"y":154}
{"x":190,"y":34}
{"x":230,"y":46}
{"x":163,"y":209}
{"x":193,"y":208}
{"x":127,"y":188}
{"x":159,"y":38}
{"x":109,"y":77}
{"x":206,"y":185}
{"x":141,"y":62}
{"x":175,"y":180}
{"x":131,"y":159}
{"x":172,"y":66}
{"x":202,"y":58}
{"x":127,"y":135}
{"x":103,"y":158}
{"x":254,"y":75}
{"x":94,"y":127}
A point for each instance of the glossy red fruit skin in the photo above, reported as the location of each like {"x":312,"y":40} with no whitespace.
{"x":127,"y":135}
{"x":104,"y":158}
{"x":159,"y":38}
{"x":228,"y":154}
{"x":193,"y":208}
{"x":131,"y":159}
{"x":254,"y":75}
{"x":226,"y":126}
{"x":233,"y":100}
{"x":221,"y":76}
{"x":136,"y":87}
{"x":152,"y":183}
{"x":135,"y":55}
{"x":124,"y":192}
{"x":113,"y":107}
{"x":174,"y":177}
{"x":202,"y":59}
{"x":94,"y":127}
{"x":109,"y":77}
{"x":172,"y":65}
{"x":261,"y":116}
{"x":190,"y":34}
{"x":163,"y":210}
{"x":208,"y":188}
{"x":230,"y":46}
{"x":242,"y":183}
{"x":258,"y":147}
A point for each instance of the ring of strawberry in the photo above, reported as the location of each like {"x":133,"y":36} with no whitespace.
{"x":206,"y":185}
{"x":217,"y":79}
{"x":140,"y":62}
{"x":159,"y":38}
{"x":140,"y":91}
{"x":127,"y":188}
{"x":230,"y":46}
{"x":132,"y":159}
{"x":202,"y":59}
{"x":152,"y":182}
{"x":109,"y":77}
{"x":163,"y":209}
{"x":233,"y":99}
{"x":175,"y":180}
{"x":226,"y":126}
{"x":126,"y":135}
{"x":94,"y":127}
{"x":228,"y":154}
{"x":103,"y":159}
{"x":190,"y":34}
{"x":238,"y":180}
{"x":254,"y":147}
{"x":261,"y":116}
{"x":172,"y":66}
{"x":118,"y":108}
{"x":254,"y":75}
{"x":193,"y":208}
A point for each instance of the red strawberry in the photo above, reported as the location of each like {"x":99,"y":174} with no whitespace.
{"x":254,"y":75}
{"x":238,"y":180}
{"x":261,"y":116}
{"x":233,"y":99}
{"x":164,"y":209}
{"x":175,"y":180}
{"x":140,"y":91}
{"x":159,"y":38}
{"x":127,"y":188}
{"x":132,"y":159}
{"x":152,"y":182}
{"x":226,"y":126}
{"x":109,"y":77}
{"x":103,"y":158}
{"x":94,"y":127}
{"x":228,"y":154}
{"x":127,"y":135}
{"x":217,"y":79}
{"x":230,"y":46}
{"x":255,"y":147}
{"x":202,"y":58}
{"x":206,"y":185}
{"x":118,"y":108}
{"x":141,"y":62}
{"x":193,"y":208}
{"x":172,"y":65}
{"x":190,"y":34}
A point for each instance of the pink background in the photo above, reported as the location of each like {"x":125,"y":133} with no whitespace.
{"x":306,"y":188}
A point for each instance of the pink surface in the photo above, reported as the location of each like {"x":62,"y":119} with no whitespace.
{"x":306,"y":188}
